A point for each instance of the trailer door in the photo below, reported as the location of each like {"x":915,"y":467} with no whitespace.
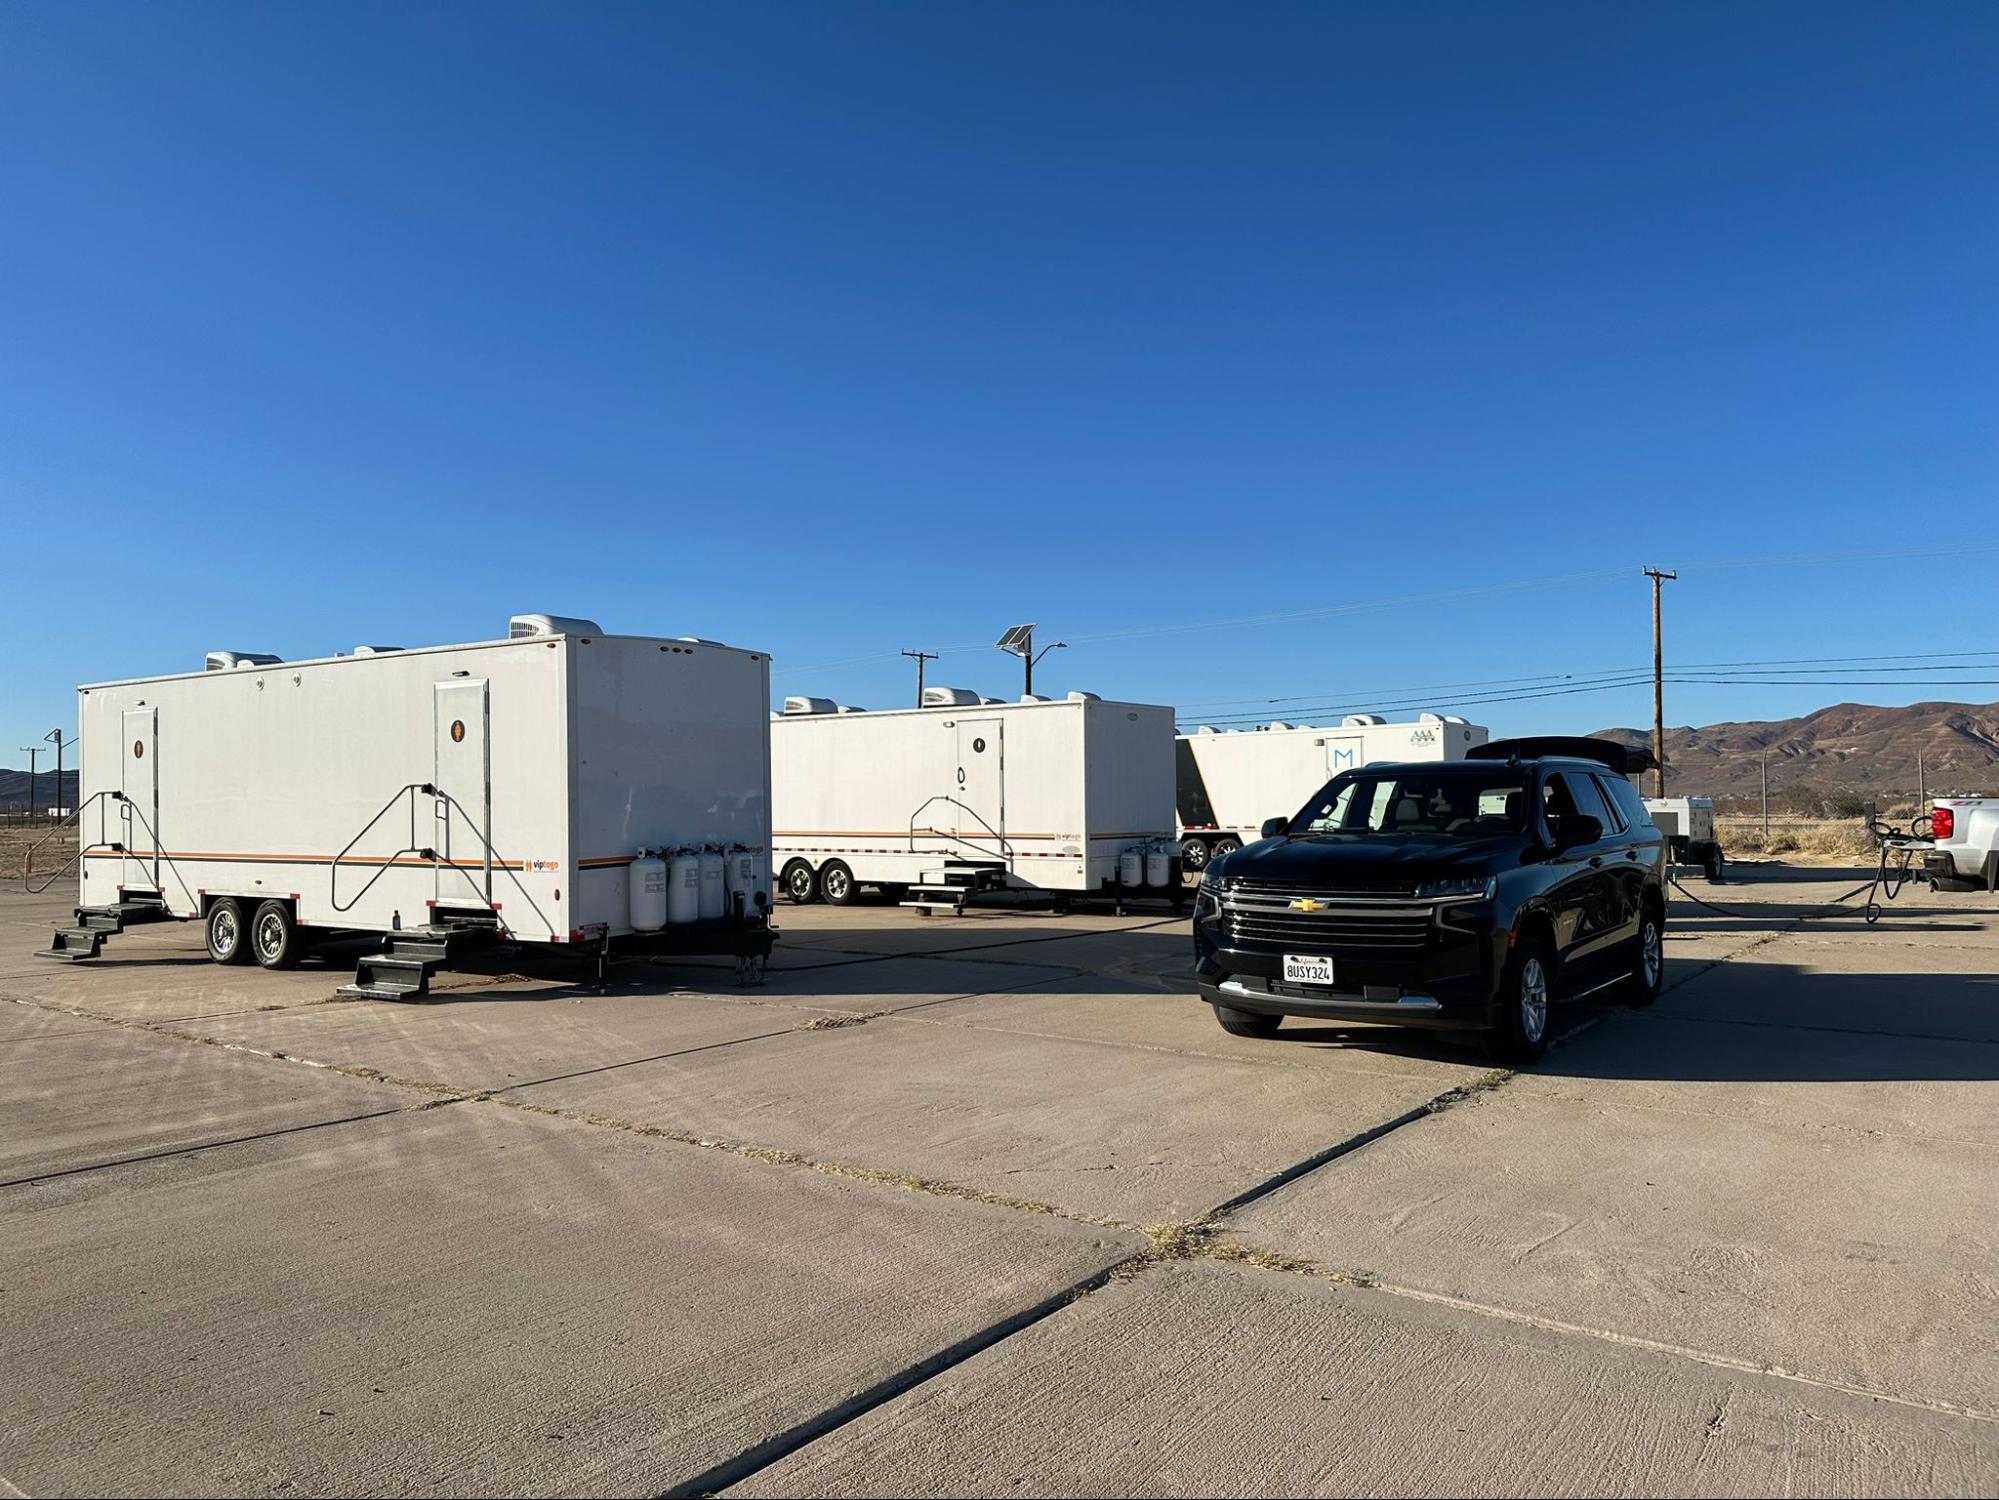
{"x":139,"y":780}
{"x":465,"y":780}
{"x":981,"y":786}
{"x":1343,"y":753}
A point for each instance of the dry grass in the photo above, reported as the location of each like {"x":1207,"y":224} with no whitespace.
{"x":15,"y":841}
{"x":1831,"y":838}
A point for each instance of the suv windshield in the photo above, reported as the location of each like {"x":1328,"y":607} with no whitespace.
{"x":1461,"y":802}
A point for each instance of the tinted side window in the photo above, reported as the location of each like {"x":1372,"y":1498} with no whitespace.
{"x":1584,"y":796}
{"x":1628,"y":802}
{"x":1619,"y":819}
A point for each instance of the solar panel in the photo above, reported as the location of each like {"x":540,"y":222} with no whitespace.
{"x":1017,"y":639}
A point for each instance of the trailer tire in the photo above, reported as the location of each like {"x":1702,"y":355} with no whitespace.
{"x":275,"y":937}
{"x":1193,"y":854}
{"x":836,"y":883}
{"x":1224,"y":847}
{"x":228,"y":932}
{"x":1711,"y":864}
{"x":801,"y":884}
{"x":894,"y":892}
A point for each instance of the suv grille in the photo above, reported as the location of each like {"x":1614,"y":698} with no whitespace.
{"x":1374,"y":923}
{"x":1375,"y":890}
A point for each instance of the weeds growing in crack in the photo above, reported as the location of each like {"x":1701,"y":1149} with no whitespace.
{"x":838,"y":1019}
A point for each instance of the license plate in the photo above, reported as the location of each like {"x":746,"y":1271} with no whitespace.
{"x":1301,"y":969}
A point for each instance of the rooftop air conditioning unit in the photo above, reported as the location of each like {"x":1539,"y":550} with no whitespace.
{"x":1361,"y":721}
{"x":223,"y":661}
{"x":1035,"y":698}
{"x":943,"y":697}
{"x":375,"y":650}
{"x":794,"y":706}
{"x":522,"y":627}
{"x":1086,"y":697}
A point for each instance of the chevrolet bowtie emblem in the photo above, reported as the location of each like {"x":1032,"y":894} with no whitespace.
{"x":1307,"y":904}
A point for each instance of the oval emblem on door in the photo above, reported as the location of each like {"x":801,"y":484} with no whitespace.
{"x":978,"y":747}
{"x":138,"y":749}
{"x":457,"y":730}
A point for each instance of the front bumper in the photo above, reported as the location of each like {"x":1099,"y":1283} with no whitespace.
{"x":1448,"y":986}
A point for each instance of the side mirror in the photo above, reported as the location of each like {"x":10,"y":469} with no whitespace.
{"x":1274,"y":826}
{"x":1577,"y":829}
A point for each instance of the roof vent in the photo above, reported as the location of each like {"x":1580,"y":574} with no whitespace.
{"x":1280,"y":724}
{"x":375,"y":650}
{"x":1086,"y":697}
{"x":1429,"y":718}
{"x":1361,"y":721}
{"x":992,"y":701}
{"x":1207,"y":729}
{"x":1455,"y":719}
{"x":795,"y":706}
{"x":1035,"y":698}
{"x":693,"y":640}
{"x":223,"y":661}
{"x":847,"y":708}
{"x":524,"y":627}
{"x":941,"y":697}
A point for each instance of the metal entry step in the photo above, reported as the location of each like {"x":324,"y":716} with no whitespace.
{"x":402,"y":970}
{"x":93,"y":924}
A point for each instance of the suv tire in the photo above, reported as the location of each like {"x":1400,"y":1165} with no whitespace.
{"x":1648,"y":960}
{"x":1520,"y":1034}
{"x":1247,"y":1022}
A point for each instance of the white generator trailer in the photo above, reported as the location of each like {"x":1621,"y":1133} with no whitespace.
{"x":1688,"y":823}
{"x":1072,"y":796}
{"x":558,"y":787}
{"x":1230,"y":781}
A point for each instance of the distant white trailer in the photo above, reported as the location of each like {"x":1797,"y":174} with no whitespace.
{"x":1073,"y":796}
{"x":1688,"y":823}
{"x":1230,"y":781}
{"x":510,"y":786}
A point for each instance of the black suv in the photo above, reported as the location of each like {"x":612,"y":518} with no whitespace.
{"x":1462,"y":895}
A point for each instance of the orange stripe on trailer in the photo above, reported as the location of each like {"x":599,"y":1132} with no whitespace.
{"x":296,"y":859}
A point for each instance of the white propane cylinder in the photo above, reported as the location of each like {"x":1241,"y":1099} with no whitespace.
{"x":683,"y":888}
{"x":1158,"y":864}
{"x":714,"y":884}
{"x":1131,"y":868}
{"x":646,"y":881}
{"x":743,"y":879}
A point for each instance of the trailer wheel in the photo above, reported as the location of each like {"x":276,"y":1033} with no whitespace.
{"x":1228,"y":845}
{"x":275,"y":937}
{"x":836,"y":883}
{"x":1193,"y":854}
{"x":1712,"y":864}
{"x":801,"y":886}
{"x":894,"y":892}
{"x":228,"y":932}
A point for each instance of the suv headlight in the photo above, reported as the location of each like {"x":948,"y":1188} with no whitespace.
{"x":1458,"y":886}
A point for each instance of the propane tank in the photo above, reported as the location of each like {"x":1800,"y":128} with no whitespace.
{"x":742,"y":879}
{"x":1131,"y":868}
{"x":646,"y":883}
{"x":714,"y":883}
{"x":1158,"y":864}
{"x":683,"y":887}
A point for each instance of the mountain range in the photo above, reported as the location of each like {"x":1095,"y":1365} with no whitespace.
{"x":1849,"y":747}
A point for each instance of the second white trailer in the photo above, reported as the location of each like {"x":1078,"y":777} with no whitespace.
{"x":1230,"y":781}
{"x":1072,"y":796}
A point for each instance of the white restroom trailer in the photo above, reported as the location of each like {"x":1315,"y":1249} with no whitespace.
{"x":507,"y":786}
{"x":1230,"y":781}
{"x":1072,"y":796}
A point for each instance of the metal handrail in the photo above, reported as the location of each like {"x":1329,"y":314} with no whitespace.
{"x":493,"y":856}
{"x":1005,"y":848}
{"x":75,"y":815}
{"x":333,"y":871}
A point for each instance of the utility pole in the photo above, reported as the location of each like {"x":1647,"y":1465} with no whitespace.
{"x":1658,"y":686}
{"x":32,"y":751}
{"x":1766,"y":797}
{"x":921,"y":658}
{"x":56,"y":736}
{"x":1922,"y":784}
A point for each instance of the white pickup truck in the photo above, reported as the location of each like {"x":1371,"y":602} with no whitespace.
{"x":1966,"y":856}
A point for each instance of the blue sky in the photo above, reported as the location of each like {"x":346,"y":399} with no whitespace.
{"x":838,"y":329}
